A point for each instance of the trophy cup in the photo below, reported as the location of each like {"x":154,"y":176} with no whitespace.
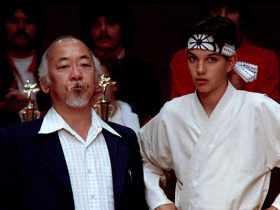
{"x":29,"y":112}
{"x":103,"y":106}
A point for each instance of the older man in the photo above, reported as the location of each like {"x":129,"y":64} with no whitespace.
{"x":70,"y":159}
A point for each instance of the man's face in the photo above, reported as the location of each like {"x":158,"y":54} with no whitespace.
{"x":224,"y":11}
{"x":21,"y":30}
{"x":71,"y":72}
{"x":106,"y":34}
{"x":208,"y":70}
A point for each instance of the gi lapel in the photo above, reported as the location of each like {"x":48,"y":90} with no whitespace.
{"x":119,"y":155}
{"x":211,"y":129}
{"x":50,"y":153}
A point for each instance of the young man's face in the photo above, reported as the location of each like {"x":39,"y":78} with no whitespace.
{"x":21,"y":30}
{"x":106,"y":34}
{"x":208,"y":70}
{"x":71,"y":73}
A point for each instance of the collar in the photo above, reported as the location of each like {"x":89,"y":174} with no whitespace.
{"x":53,"y":122}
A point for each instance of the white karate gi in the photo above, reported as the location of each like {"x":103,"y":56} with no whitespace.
{"x":222,"y":162}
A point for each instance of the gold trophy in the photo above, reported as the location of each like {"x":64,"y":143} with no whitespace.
{"x":103,"y":106}
{"x":29,"y":112}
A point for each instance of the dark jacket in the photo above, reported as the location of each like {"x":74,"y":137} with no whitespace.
{"x":34,"y":175}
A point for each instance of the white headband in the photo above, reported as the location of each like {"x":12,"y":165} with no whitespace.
{"x":248,"y":72}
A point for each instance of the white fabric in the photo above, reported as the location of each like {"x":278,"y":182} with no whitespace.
{"x":125,"y":116}
{"x":88,"y":162}
{"x":23,"y":74}
{"x":248,"y":72}
{"x":221,"y":162}
{"x":276,"y":203}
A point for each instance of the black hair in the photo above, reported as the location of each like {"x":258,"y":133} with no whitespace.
{"x":113,"y":12}
{"x":223,"y":30}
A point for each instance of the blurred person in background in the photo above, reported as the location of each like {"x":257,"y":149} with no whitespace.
{"x":108,"y":30}
{"x":23,"y":29}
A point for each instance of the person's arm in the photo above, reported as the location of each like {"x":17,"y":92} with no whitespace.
{"x":136,"y":174}
{"x":13,"y":101}
{"x":272,"y":208}
{"x":156,"y":159}
{"x":169,"y":207}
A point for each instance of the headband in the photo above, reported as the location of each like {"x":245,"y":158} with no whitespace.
{"x":248,"y":72}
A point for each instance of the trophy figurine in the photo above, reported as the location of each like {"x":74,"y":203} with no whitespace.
{"x":103,"y":106}
{"x":29,"y":112}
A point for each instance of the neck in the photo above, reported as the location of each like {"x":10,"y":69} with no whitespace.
{"x":79,"y":119}
{"x":20,"y":53}
{"x":211,"y":99}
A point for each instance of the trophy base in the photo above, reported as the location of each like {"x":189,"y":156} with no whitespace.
{"x":27,"y":114}
{"x":102,"y":109}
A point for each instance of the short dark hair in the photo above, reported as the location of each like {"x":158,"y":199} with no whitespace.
{"x":116,"y":12}
{"x":223,"y":30}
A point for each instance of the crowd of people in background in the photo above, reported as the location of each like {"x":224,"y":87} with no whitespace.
{"x":23,"y":27}
{"x":67,"y":156}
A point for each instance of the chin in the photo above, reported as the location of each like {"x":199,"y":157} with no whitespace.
{"x":77,"y":102}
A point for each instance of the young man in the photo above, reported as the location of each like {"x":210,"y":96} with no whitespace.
{"x":71,"y":159}
{"x":222,"y":143}
{"x":267,"y":81}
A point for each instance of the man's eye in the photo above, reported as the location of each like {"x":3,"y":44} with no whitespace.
{"x":191,"y":58}
{"x":85,"y":65}
{"x":63,"y":67}
{"x":212,"y":59}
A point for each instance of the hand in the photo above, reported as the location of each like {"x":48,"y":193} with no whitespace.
{"x":13,"y":101}
{"x":272,"y":208}
{"x":170,"y":206}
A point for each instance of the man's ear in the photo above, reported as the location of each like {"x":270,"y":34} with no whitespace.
{"x":232,"y":60}
{"x":44,"y":84}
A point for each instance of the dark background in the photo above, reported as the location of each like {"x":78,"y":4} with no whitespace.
{"x":160,"y":29}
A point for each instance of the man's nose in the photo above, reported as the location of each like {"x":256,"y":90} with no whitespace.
{"x":76,"y":73}
{"x":201,"y":69}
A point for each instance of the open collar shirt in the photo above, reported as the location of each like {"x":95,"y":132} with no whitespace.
{"x":88,"y":161}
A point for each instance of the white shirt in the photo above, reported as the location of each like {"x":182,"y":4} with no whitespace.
{"x":125,"y":116}
{"x":88,"y":162}
{"x":222,"y":162}
{"x":23,"y":74}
